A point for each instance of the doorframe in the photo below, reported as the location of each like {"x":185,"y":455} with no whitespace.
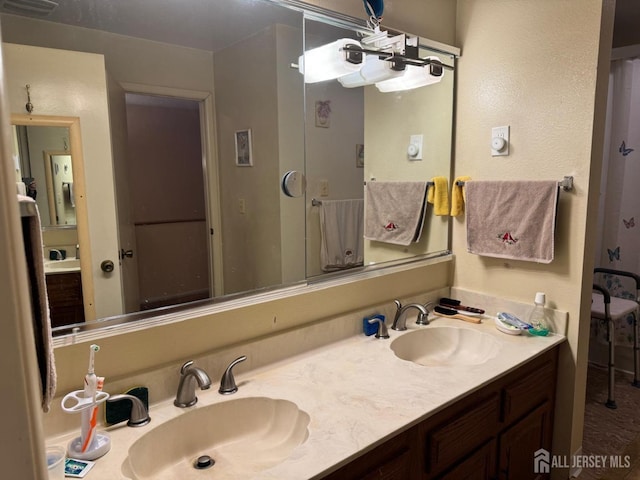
{"x":209,"y":167}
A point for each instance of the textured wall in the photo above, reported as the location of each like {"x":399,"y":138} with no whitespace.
{"x":533,"y":65}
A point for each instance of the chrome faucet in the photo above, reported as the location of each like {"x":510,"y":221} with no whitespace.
{"x":189,"y":375}
{"x":400,"y":320}
{"x":228,"y":382}
{"x":58,"y":253}
{"x":139,"y":415}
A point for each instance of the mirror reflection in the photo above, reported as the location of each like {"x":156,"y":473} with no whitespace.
{"x":44,"y":164}
{"x":197,"y":122}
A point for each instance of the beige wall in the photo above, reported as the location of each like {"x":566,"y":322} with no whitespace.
{"x":246,"y":99}
{"x":291,"y":150}
{"x":533,"y":65}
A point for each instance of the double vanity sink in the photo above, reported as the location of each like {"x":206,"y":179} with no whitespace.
{"x":308,"y":415}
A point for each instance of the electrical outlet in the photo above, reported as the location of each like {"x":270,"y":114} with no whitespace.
{"x":500,"y":141}
{"x":324,"y":188}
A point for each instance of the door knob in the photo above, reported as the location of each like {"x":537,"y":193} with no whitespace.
{"x":107,"y":266}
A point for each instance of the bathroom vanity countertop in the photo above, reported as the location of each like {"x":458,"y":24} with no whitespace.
{"x":356,"y":392}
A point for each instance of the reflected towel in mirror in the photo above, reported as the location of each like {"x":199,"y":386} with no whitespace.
{"x":341,"y":227}
{"x":438,"y":195}
{"x":394,"y":211}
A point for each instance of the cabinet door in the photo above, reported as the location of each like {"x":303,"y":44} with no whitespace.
{"x":479,"y":466}
{"x":520,"y":442}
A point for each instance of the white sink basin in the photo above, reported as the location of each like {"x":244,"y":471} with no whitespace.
{"x":445,"y":346}
{"x":243,"y":436}
{"x":66,"y":264}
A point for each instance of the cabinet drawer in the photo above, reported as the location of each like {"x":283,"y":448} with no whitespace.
{"x":522,"y":396}
{"x":462,"y":434}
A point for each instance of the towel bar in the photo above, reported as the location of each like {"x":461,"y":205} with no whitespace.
{"x":566,"y":183}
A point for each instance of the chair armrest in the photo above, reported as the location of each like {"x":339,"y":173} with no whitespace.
{"x":604,"y":292}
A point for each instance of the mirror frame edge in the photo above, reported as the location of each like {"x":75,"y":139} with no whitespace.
{"x":82,"y":216}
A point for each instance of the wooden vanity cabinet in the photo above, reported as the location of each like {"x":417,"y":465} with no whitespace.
{"x":491,"y":434}
{"x":64,"y":291}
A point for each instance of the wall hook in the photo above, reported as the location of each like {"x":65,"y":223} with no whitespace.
{"x":29,"y":105}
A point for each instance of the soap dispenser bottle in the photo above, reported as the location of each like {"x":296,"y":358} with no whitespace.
{"x":538,"y":318}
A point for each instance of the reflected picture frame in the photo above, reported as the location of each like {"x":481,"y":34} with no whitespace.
{"x":244,"y":153}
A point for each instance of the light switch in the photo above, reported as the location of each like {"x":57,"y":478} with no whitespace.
{"x":242,"y":206}
{"x":500,"y":141}
{"x":414,"y":150}
{"x":324,"y":188}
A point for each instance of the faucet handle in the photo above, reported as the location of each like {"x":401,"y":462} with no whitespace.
{"x":139,"y":414}
{"x":228,"y":382}
{"x":185,"y":366}
{"x":382,"y":327}
{"x":398,"y":305}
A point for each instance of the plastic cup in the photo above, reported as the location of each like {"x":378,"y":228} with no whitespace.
{"x":55,"y":462}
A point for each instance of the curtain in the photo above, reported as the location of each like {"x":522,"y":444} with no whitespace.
{"x":619,"y":215}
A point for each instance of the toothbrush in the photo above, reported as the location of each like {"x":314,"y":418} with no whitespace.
{"x":90,"y":415}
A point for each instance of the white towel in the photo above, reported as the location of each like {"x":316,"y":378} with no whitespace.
{"x":341,"y":226}
{"x":512,"y":219}
{"x":395,"y":211}
{"x":32,"y":234}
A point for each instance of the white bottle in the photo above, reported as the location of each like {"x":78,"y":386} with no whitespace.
{"x":538,"y":317}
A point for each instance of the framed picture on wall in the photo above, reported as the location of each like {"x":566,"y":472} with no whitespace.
{"x":323,"y":113}
{"x":244,"y":155}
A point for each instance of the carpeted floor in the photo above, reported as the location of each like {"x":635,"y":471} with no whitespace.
{"x":611,"y":432}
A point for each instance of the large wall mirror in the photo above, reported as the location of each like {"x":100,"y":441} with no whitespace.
{"x":190,"y":114}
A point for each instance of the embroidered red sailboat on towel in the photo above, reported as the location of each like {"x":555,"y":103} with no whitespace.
{"x":390,"y":227}
{"x":507,"y":238}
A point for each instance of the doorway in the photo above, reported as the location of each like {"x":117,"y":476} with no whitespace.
{"x":164,"y":233}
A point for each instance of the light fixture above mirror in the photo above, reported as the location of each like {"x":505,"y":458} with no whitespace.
{"x":391,"y":62}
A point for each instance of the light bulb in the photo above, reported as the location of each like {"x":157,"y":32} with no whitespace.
{"x":374,"y":70}
{"x":330,"y":61}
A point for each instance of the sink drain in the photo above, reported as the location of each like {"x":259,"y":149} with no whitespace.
{"x":203,"y":462}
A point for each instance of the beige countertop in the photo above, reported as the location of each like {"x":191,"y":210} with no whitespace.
{"x":356,"y":392}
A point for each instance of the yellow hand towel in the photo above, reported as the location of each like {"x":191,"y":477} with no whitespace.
{"x":439,"y":195}
{"x":458,"y":197}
